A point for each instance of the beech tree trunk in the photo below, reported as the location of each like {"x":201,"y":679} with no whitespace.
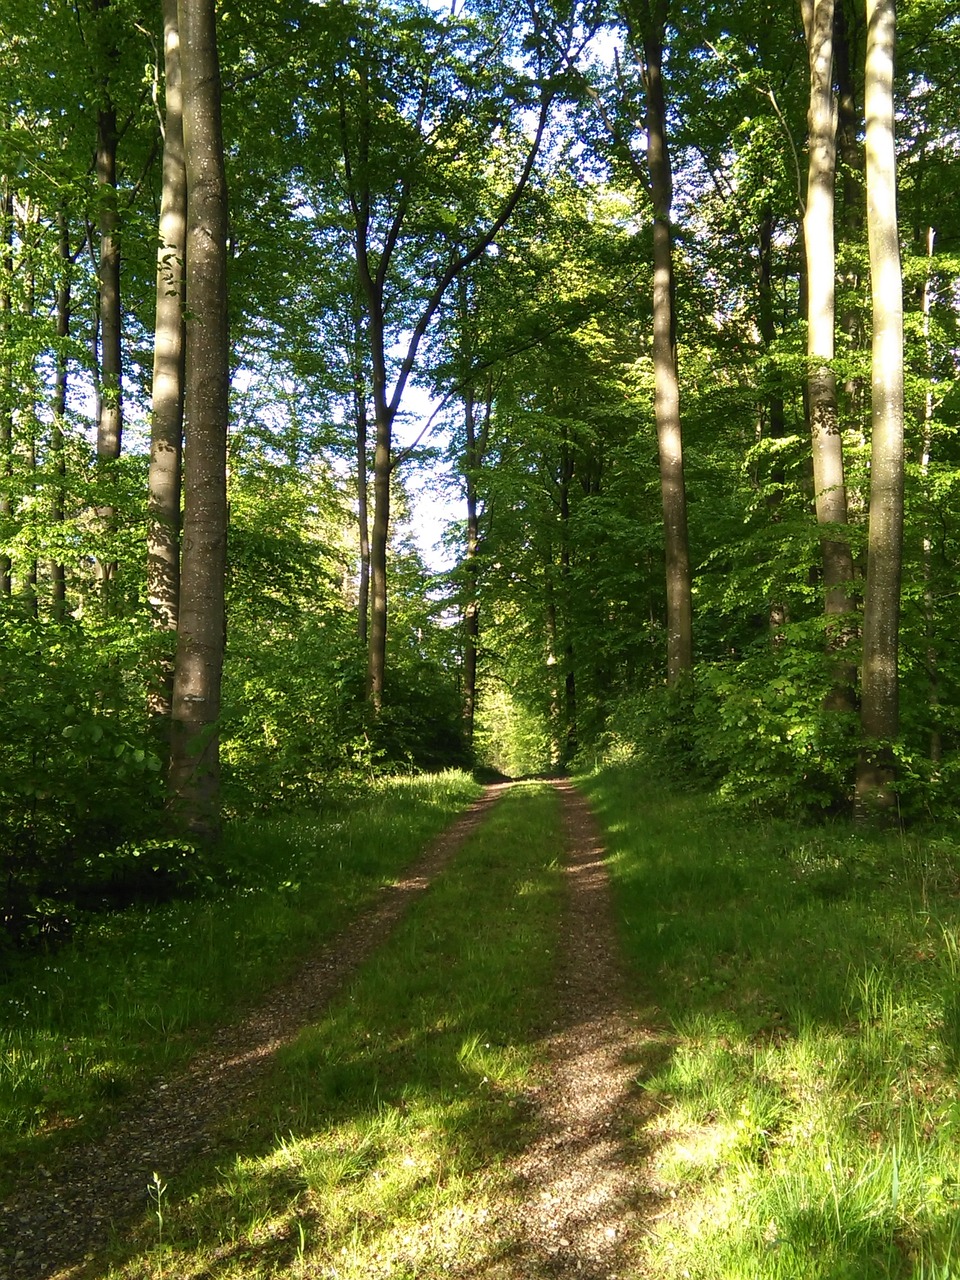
{"x":830,"y":495}
{"x":879,"y":707}
{"x":194,"y":755}
{"x":166,"y":431}
{"x":666,"y":382}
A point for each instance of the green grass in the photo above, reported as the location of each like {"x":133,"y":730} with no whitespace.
{"x":135,"y":991}
{"x":380,"y":1142}
{"x":808,"y":986}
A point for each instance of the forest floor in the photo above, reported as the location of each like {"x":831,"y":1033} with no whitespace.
{"x":573,"y":1202}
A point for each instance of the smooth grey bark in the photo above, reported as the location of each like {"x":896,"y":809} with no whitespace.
{"x":830,"y":494}
{"x":666,"y":380}
{"x":166,"y":429}
{"x":194,"y":777}
{"x":879,"y":704}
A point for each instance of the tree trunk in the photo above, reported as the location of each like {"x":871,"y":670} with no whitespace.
{"x":58,"y":583}
{"x":830,"y":494}
{"x":570,"y":735}
{"x":194,"y":755}
{"x":775,"y":415}
{"x":379,"y":534}
{"x":471,"y":607}
{"x":363,"y":512}
{"x":879,"y":713}
{"x":929,"y":600}
{"x":849,"y":124}
{"x":553,"y":673}
{"x":666,"y":384}
{"x":109,"y":420}
{"x":6,"y":373}
{"x":109,"y":364}
{"x":166,"y":432}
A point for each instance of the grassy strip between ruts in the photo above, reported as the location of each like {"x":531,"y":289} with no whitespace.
{"x":808,"y":986}
{"x":376,"y":1145}
{"x":135,"y":991}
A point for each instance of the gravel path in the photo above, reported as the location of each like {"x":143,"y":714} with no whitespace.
{"x":579,"y":1208}
{"x":57,"y":1218}
{"x":582,"y":1207}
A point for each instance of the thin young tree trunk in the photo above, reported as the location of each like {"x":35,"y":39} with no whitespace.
{"x":194,"y":748}
{"x":830,"y":493}
{"x":553,"y":672}
{"x":109,"y":422}
{"x":471,"y":608}
{"x":110,"y":384}
{"x":363,"y":512}
{"x":666,"y":382}
{"x":570,"y":735}
{"x":849,"y":124}
{"x":58,"y":582}
{"x":379,"y":533}
{"x":29,"y":425}
{"x":775,"y":414}
{"x":929,"y":604}
{"x":6,"y":372}
{"x":166,"y":431}
{"x":879,"y":706}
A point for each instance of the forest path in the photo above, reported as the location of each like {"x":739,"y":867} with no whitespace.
{"x":55,"y":1219}
{"x":584,"y":1198}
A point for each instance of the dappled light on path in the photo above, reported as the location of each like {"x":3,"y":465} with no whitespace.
{"x":583,"y":1204}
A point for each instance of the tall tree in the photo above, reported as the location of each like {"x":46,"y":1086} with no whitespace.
{"x":651,"y":19}
{"x":166,"y":431}
{"x":879,"y":712}
{"x":412,"y":93}
{"x":194,"y":748}
{"x":830,"y":494}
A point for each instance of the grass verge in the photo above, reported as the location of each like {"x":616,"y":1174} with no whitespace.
{"x":135,"y":991}
{"x":809,"y":979}
{"x":376,"y":1145}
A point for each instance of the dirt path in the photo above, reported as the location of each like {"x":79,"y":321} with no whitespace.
{"x":583,"y":1207}
{"x":52,"y":1222}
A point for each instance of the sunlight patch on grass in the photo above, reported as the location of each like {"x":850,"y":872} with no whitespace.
{"x":807,"y":1122}
{"x":135,"y":991}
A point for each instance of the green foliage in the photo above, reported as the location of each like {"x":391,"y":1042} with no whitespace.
{"x":80,"y":776}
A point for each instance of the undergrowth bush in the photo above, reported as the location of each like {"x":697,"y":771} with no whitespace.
{"x":753,"y":727}
{"x":80,"y":775}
